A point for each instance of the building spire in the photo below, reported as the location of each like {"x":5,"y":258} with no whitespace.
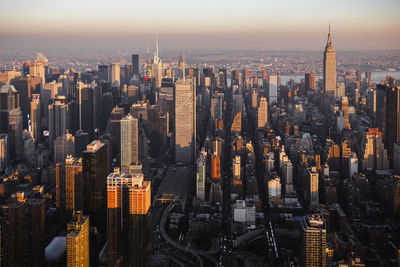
{"x":329,"y":34}
{"x":147,"y":53}
{"x":156,"y":55}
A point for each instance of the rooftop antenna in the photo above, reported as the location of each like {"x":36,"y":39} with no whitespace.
{"x":147,"y":52}
{"x":156,"y":54}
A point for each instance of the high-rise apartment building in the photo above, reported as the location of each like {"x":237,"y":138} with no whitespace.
{"x":128,"y":219}
{"x":313,"y":240}
{"x":129,"y":142}
{"x":262,"y":113}
{"x":329,"y":66}
{"x":185,"y":121}
{"x":78,"y":240}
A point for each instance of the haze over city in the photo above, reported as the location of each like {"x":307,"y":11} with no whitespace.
{"x":198,"y":25}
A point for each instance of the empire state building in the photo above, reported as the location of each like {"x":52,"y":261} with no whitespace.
{"x":329,"y":66}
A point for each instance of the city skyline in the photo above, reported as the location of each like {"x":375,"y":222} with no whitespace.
{"x":126,"y":139}
{"x":290,"y":25}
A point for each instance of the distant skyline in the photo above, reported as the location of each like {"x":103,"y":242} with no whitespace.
{"x":202,"y":25}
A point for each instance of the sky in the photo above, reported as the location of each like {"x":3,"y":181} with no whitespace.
{"x":117,"y":25}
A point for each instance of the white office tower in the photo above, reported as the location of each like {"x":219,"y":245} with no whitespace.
{"x":115,"y":74}
{"x":185,"y":121}
{"x":273,"y":89}
{"x":244,"y":212}
{"x":353,"y":164}
{"x":129,"y":142}
{"x":201,"y":175}
{"x":157,"y":68}
{"x":339,"y":122}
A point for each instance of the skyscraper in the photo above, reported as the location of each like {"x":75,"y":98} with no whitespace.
{"x":262,"y":113}
{"x":59,"y":118}
{"x":95,"y":162}
{"x":86,"y":107}
{"x":345,"y":108}
{"x":157,"y":68}
{"x":26,"y":87}
{"x":64,"y":145}
{"x":313,"y":187}
{"x":78,"y":240}
{"x":329,"y":66}
{"x":3,"y":151}
{"x":73,"y":183}
{"x":373,"y":153}
{"x":129,"y":142}
{"x":181,"y":67}
{"x":310,"y":82}
{"x":313,"y":240}
{"x":36,"y":69}
{"x":201,"y":175}
{"x":23,"y":231}
{"x":104,"y":73}
{"x":128,"y":219}
{"x":135,"y":64}
{"x":9,"y":100}
{"x":185,"y":121}
{"x":115,"y":74}
{"x":15,"y":131}
{"x":35,"y":117}
{"x":392,"y":132}
{"x":273,"y":89}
